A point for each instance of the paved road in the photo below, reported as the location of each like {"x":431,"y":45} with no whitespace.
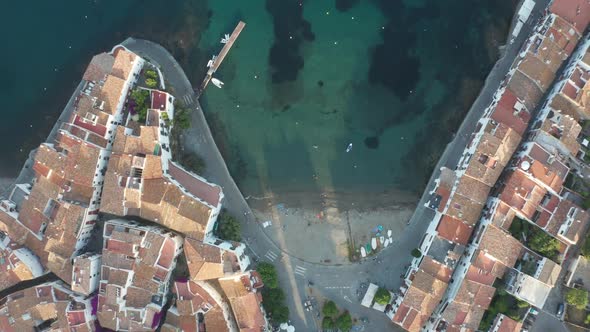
{"x":338,"y":283}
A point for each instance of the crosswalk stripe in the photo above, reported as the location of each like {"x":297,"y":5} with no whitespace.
{"x":300,"y":270}
{"x":271,"y":256}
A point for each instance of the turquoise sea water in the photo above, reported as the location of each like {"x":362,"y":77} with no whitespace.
{"x":305,"y":79}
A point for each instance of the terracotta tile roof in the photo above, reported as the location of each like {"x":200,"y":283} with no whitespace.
{"x":204,"y":261}
{"x":504,"y":323}
{"x":49,"y":303}
{"x":511,"y":112}
{"x":565,"y":129}
{"x":123,"y":63}
{"x":145,"y":143}
{"x":215,"y":321}
{"x":475,"y":190}
{"x":549,"y":273}
{"x":464,"y":209}
{"x":244,"y":303}
{"x":111,"y":93}
{"x":480,"y":276}
{"x":454,"y":230}
{"x":100,"y":66}
{"x":579,"y":218}
{"x":501,"y":246}
{"x":577,"y":12}
{"x":207,"y":192}
{"x":525,"y":89}
{"x":522,"y":193}
{"x":436,"y":269}
{"x":545,"y":167}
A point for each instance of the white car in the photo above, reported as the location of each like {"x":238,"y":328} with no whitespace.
{"x":266,"y":223}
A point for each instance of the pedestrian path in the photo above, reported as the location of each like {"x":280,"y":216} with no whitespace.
{"x":271,"y":256}
{"x":188,"y":99}
{"x":300,"y":270}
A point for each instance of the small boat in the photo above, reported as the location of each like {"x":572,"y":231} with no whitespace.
{"x":363,"y":252}
{"x":381,"y":239}
{"x":389,"y":233}
{"x":386,"y":243}
{"x":217,"y":82}
{"x":349,"y":147}
{"x":374,"y":243}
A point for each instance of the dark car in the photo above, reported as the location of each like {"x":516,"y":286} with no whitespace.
{"x":560,"y":309}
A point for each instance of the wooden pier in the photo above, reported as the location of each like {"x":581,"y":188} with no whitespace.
{"x":217,"y":62}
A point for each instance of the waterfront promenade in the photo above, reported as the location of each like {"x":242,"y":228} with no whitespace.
{"x":339,"y":283}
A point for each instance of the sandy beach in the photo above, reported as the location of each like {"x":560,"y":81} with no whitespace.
{"x":335,"y":224}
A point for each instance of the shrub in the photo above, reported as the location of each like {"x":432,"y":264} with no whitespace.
{"x":229,"y":228}
{"x":141,"y":99}
{"x":382,"y":296}
{"x":330,"y":309}
{"x":151,"y":83}
{"x":577,"y":298}
{"x":416,"y":253}
{"x":268,"y":274}
{"x":587,"y":319}
{"x":344,"y":322}
{"x":151,"y":74}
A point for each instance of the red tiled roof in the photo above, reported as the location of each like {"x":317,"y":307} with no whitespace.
{"x":159,"y":100}
{"x":454,"y":230}
{"x":505,"y":113}
{"x":205,"y":191}
{"x":120,"y":247}
{"x":167,"y":253}
{"x":576,"y":12}
{"x":479,"y":275}
{"x":76,"y":318}
{"x":95,"y":128}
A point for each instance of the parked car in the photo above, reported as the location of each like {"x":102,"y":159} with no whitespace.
{"x":560,"y":309}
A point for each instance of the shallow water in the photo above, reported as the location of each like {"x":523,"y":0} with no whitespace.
{"x":394,"y":78}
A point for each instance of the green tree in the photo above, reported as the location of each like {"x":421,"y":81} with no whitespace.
{"x":182,"y":118}
{"x":273,"y":301}
{"x":344,"y":322}
{"x":140,"y":96}
{"x":194,"y":163}
{"x":327,"y":323}
{"x":151,"y":83}
{"x":268,"y":273}
{"x":544,"y":244}
{"x":587,"y":320}
{"x":330,"y":309}
{"x":382,"y":296}
{"x":577,"y":298}
{"x":229,"y":228}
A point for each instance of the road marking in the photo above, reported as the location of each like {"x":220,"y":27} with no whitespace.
{"x":271,"y":256}
{"x":300,"y":270}
{"x":337,"y":287}
{"x":188,"y":99}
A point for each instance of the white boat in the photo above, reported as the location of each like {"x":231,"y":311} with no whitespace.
{"x":386,"y":243}
{"x":374,"y":243}
{"x":363,"y":252}
{"x":349,"y":147}
{"x":217,"y":82}
{"x":389,"y":233}
{"x":381,"y":239}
